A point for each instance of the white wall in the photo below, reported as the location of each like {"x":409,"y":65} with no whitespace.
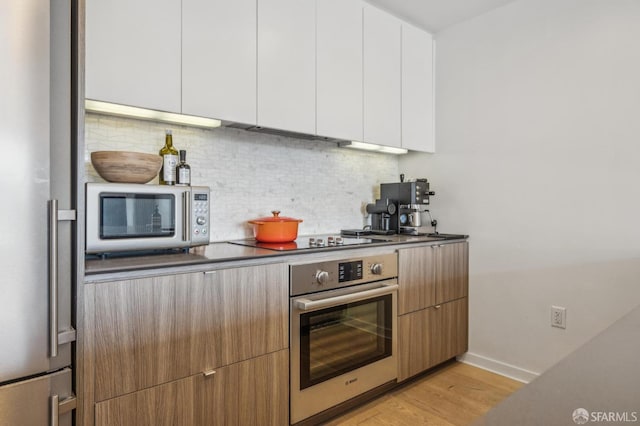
{"x":251,"y":174}
{"x":538,"y":159}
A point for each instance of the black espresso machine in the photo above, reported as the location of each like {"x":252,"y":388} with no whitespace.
{"x":398,"y":211}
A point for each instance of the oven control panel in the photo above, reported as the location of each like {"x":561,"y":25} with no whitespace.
{"x":329,"y":275}
{"x":350,"y":271}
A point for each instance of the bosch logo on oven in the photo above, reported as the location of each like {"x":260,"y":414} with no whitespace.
{"x":350,"y":381}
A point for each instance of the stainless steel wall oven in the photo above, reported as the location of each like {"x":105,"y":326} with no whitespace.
{"x":343,"y":331}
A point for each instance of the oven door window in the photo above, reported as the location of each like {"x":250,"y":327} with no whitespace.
{"x":336,"y":340}
{"x":137,"y":216}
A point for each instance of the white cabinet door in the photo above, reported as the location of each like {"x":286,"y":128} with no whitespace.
{"x":382,"y":76}
{"x":339,"y":69}
{"x":417,"y":90}
{"x":286,"y":65}
{"x":133,"y":52}
{"x":219,"y":59}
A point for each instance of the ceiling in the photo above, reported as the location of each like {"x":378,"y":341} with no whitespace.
{"x":435,"y":15}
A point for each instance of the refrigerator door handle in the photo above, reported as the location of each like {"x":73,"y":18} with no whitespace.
{"x":59,"y":408}
{"x":54,"y":216}
{"x":55,"y":410}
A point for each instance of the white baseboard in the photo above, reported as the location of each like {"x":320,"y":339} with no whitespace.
{"x":498,"y":367}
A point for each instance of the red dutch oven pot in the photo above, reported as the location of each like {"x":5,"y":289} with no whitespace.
{"x":275,"y":229}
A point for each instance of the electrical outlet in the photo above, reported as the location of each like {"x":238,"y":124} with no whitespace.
{"x":558,"y":317}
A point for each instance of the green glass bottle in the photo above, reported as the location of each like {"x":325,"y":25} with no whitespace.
{"x":169,"y":161}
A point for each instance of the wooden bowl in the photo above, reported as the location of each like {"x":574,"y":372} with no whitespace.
{"x":125,"y":166}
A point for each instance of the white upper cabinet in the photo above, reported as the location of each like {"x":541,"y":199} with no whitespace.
{"x":339,"y":69}
{"x":417,"y":90}
{"x":335,"y":68}
{"x":133,"y":52}
{"x":286,"y":65}
{"x":382,"y":77}
{"x":219,"y":59}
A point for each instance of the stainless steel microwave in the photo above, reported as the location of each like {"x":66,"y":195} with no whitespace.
{"x":126,"y":217}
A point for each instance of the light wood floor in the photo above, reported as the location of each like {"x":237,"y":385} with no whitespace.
{"x":456,"y":394}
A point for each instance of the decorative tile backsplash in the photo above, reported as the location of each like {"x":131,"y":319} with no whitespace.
{"x":251,"y":174}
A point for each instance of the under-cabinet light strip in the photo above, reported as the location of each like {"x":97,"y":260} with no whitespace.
{"x":376,"y":148}
{"x":149,"y":114}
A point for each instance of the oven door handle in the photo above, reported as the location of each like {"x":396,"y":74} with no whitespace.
{"x":306,"y":304}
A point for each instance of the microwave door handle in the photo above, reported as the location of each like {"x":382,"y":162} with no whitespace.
{"x":306,"y":304}
{"x":186,"y":216}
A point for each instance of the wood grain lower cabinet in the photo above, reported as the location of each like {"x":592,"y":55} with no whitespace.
{"x":141,"y":334}
{"x":432,"y":306}
{"x":451,"y":271}
{"x":431,"y":336}
{"x":170,"y":404}
{"x":431,"y":275}
{"x":448,"y":330}
{"x":416,"y":278}
{"x":144,"y":336}
{"x":253,"y":392}
{"x":250,"y":393}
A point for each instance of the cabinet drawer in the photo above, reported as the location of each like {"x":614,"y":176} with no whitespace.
{"x":170,"y":404}
{"x":431,"y":336}
{"x":252,"y":392}
{"x":156,"y":330}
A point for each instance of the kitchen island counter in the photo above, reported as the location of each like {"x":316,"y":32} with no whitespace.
{"x":224,"y":254}
{"x":598,"y":382}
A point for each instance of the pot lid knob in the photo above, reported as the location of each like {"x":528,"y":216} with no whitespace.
{"x":275,"y":213}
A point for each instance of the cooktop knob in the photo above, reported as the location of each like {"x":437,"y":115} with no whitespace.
{"x":376,"y":269}
{"x":322,"y":277}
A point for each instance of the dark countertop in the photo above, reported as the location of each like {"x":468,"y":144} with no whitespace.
{"x":227,"y":253}
{"x":601,"y":377}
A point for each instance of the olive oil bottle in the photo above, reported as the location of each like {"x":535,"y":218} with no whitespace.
{"x":169,"y":161}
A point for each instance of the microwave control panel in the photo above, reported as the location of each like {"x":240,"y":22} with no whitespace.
{"x":200,"y":208}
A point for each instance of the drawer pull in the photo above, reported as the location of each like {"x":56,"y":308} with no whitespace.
{"x":208,"y":373}
{"x":437,"y":306}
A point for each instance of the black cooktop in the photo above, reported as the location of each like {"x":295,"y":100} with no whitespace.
{"x":312,"y":242}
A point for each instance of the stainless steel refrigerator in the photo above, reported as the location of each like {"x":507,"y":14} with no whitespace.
{"x":37,"y":216}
